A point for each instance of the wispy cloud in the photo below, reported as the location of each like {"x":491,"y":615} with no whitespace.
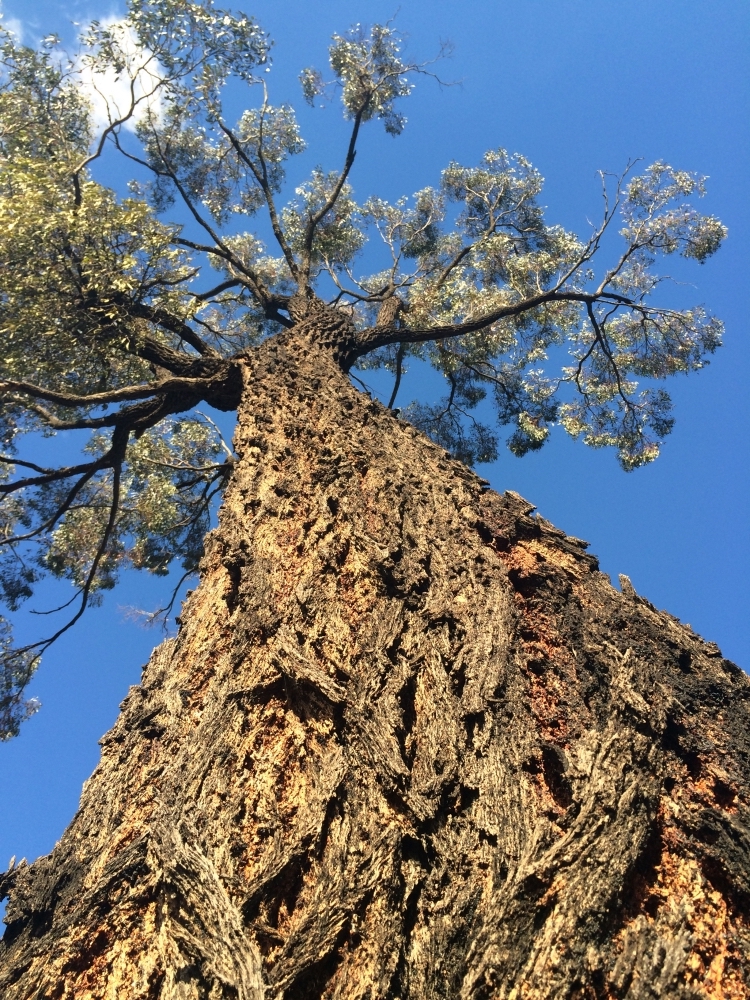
{"x":13,"y":25}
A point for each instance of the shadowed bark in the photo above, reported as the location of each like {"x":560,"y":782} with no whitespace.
{"x":409,"y":743}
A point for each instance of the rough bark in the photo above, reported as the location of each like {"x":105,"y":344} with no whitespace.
{"x":409,"y":743}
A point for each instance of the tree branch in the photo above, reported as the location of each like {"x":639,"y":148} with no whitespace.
{"x":223,"y":287}
{"x":62,"y":509}
{"x":164,"y":319}
{"x":314,"y":220}
{"x":182,"y":365}
{"x":399,"y":364}
{"x":9,"y":460}
{"x":114,"y":125}
{"x":602,"y":340}
{"x":375,"y":337}
{"x":85,"y":591}
{"x":133,"y":419}
{"x":55,"y":475}
{"x":105,"y":398}
{"x":219,"y":249}
{"x":261,"y":176}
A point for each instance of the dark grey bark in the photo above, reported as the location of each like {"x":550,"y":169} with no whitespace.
{"x":409,"y":743}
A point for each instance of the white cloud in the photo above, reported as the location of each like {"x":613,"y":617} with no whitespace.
{"x":112,"y":97}
{"x":127,"y":95}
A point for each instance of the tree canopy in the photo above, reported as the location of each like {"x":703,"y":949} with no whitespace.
{"x":114,"y":326}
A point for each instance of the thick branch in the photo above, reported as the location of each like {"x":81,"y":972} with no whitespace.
{"x":374,"y":337}
{"x":399,"y":370}
{"x":223,"y":287}
{"x":82,"y":423}
{"x":105,"y":398}
{"x":182,"y":365}
{"x":166,"y":320}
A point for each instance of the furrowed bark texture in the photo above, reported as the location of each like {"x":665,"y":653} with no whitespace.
{"x":409,"y":743}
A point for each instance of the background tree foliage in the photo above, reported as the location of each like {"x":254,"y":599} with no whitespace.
{"x":112,"y":326}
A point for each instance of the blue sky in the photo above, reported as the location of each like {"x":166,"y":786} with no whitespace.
{"x":576,"y":86}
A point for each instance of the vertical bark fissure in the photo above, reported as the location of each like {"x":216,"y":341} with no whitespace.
{"x":409,"y":743}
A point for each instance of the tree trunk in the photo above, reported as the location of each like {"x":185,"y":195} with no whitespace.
{"x":409,"y":743}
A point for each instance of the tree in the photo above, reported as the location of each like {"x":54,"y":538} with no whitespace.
{"x":408,"y":742}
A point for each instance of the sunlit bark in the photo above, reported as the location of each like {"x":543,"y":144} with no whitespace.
{"x":409,"y":743}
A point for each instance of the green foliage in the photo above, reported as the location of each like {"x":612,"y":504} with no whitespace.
{"x":338,"y":236}
{"x":499,"y":252}
{"x":193,"y":48}
{"x":43,"y":112}
{"x":370,"y":74}
{"x":111,"y":327}
{"x":165,"y":508}
{"x":73,"y":275}
{"x":15,"y":673}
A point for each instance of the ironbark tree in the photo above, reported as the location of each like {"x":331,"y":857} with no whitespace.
{"x":408,"y":742}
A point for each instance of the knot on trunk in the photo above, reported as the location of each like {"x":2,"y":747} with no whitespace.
{"x":326,"y":325}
